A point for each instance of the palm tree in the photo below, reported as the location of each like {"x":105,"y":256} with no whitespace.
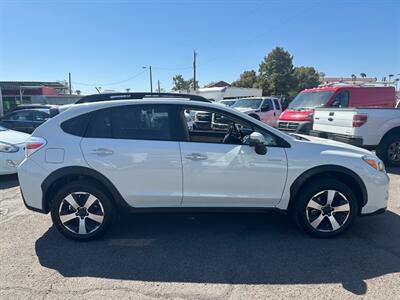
{"x":353,"y":77}
{"x":127,"y":90}
{"x":363,"y":75}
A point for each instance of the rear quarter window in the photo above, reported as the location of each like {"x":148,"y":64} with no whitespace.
{"x":77,"y":125}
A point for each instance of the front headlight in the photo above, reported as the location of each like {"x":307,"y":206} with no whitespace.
{"x":8,"y":148}
{"x":374,"y":162}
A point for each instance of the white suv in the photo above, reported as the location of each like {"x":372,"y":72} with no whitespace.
{"x":94,"y":158}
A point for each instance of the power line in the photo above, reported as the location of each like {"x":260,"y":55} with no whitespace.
{"x":110,"y":83}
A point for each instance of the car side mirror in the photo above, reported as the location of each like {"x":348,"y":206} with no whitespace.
{"x":257,"y":140}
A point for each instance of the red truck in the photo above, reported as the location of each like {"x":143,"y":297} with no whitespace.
{"x":298,"y":117}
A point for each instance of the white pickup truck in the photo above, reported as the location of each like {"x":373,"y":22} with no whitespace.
{"x":371,"y":128}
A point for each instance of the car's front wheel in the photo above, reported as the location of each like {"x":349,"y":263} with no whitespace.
{"x":325,"y":208}
{"x":82,"y":211}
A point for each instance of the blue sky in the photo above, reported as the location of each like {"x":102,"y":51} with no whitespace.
{"x":105,"y":42}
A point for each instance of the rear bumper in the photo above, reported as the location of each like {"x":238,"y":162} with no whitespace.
{"x":294,"y":126}
{"x":338,"y":137}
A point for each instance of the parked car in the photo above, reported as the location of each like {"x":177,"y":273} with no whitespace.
{"x":25,"y":120}
{"x":299,"y":115}
{"x":375,"y":129}
{"x":265,"y":109}
{"x":228,"y":102}
{"x":33,"y":106}
{"x":12,"y":150}
{"x":97,"y":158}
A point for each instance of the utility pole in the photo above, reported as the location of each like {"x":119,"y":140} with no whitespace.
{"x":194,"y":69}
{"x":159,"y":89}
{"x":151,"y":78}
{"x":69,"y":80}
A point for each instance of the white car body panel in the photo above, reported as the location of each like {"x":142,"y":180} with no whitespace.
{"x":340,"y":121}
{"x":134,"y":166}
{"x":149,"y":173}
{"x":232,"y":175}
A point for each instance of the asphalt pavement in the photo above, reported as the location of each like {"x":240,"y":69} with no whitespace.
{"x":198,"y":256}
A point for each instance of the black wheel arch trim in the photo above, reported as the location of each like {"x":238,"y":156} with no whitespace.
{"x":81,"y":171}
{"x":320,"y":170}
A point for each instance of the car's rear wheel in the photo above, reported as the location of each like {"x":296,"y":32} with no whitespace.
{"x":82,"y":211}
{"x":325,"y":208}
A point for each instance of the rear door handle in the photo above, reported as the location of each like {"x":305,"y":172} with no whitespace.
{"x":102,"y":151}
{"x":196,"y":156}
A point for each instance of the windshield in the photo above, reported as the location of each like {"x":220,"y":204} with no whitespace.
{"x":228,"y":102}
{"x":306,"y":100}
{"x":247,"y":103}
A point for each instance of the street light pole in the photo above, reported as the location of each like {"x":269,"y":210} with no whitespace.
{"x":151,"y":78}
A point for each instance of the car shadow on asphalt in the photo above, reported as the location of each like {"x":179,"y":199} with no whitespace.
{"x":8,"y":181}
{"x":258,"y":248}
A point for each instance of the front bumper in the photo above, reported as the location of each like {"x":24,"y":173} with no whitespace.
{"x":338,"y":137}
{"x":377,"y":185}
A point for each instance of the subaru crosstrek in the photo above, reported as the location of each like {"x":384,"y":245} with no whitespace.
{"x":96,"y":159}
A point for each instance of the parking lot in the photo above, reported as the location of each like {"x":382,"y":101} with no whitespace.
{"x":202,"y":256}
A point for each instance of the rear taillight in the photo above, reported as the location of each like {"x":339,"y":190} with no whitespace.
{"x":33,"y":144}
{"x":359,"y":120}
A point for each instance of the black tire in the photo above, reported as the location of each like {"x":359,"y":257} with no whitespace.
{"x":255,"y":116}
{"x":102,"y":208}
{"x":383,"y":149}
{"x":304,"y":215}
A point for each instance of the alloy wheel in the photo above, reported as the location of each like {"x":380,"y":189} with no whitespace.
{"x":81,"y":213}
{"x":328,"y":211}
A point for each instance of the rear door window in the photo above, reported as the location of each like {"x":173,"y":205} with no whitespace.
{"x":143,"y":122}
{"x":100,"y":124}
{"x":23,"y":115}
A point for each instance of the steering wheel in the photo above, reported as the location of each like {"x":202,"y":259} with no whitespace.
{"x":233,"y":136}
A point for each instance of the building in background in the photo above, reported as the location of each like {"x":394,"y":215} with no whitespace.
{"x":222,"y":90}
{"x":14,"y":93}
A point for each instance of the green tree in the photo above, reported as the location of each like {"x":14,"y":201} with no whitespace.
{"x":363,"y":75}
{"x":305,"y":78}
{"x":180,"y":84}
{"x":276,"y":72}
{"x":247,"y":79}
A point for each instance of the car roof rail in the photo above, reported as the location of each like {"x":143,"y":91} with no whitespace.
{"x":142,"y":95}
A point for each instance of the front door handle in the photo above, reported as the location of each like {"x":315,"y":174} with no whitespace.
{"x":196,"y":156}
{"x":102,"y":152}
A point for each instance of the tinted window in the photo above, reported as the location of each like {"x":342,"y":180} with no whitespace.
{"x":276,"y":102}
{"x":100,"y":124}
{"x":147,"y":122}
{"x":39,"y":116}
{"x":20,"y":116}
{"x":341,"y":100}
{"x":76,"y":126}
{"x":267,"y":104}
